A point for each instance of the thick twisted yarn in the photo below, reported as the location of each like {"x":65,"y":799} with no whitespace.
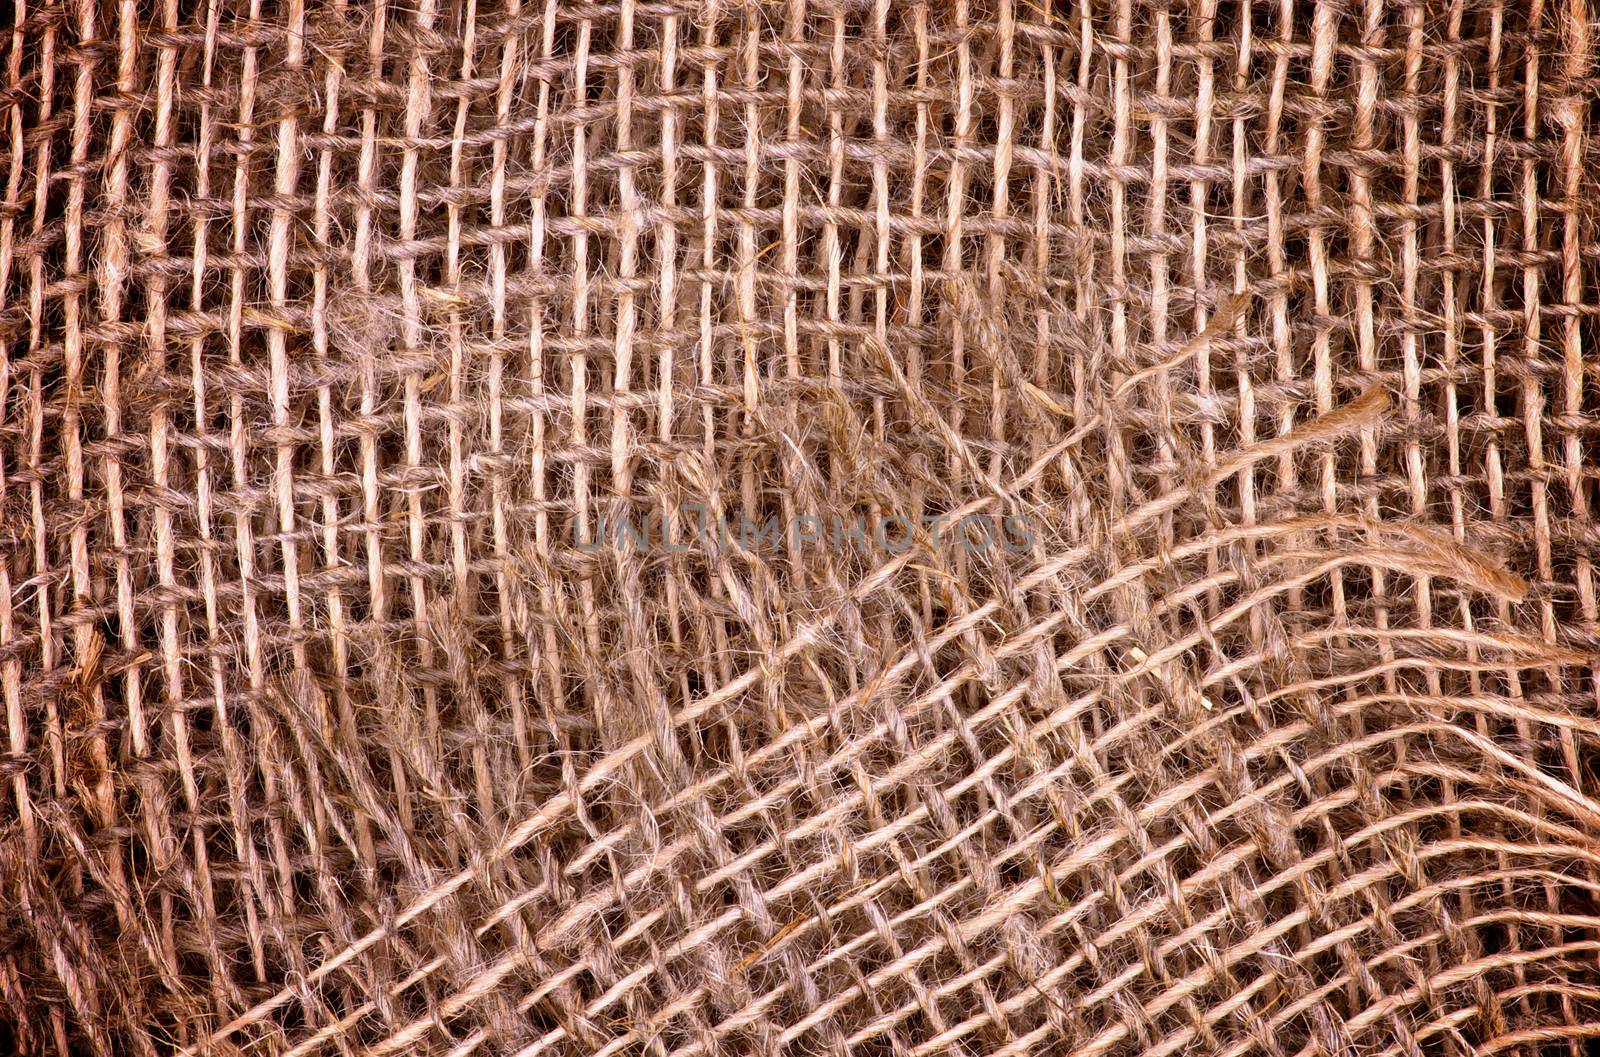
{"x":889,"y":528}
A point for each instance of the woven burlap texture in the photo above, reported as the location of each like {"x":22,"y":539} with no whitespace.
{"x":787,"y":527}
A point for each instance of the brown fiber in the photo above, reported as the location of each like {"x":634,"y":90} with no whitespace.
{"x":865,"y":528}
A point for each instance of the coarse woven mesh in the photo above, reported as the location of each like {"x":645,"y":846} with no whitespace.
{"x":1252,"y":710}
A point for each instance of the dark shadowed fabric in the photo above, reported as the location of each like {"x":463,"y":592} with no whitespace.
{"x":353,"y":356}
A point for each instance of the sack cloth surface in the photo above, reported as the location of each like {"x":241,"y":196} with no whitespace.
{"x":862,"y":528}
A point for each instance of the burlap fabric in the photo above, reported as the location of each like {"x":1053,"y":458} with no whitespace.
{"x":881,"y":528}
